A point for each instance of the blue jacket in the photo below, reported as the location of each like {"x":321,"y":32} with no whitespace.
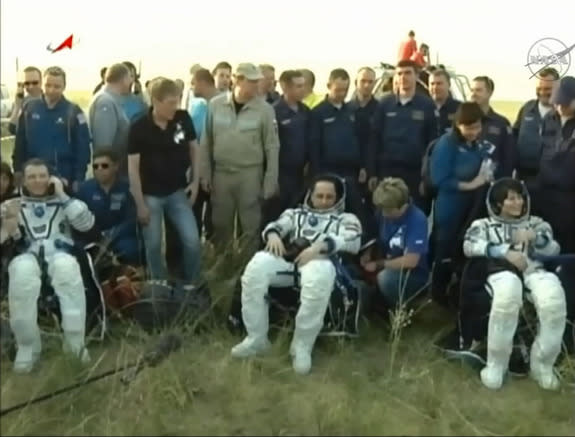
{"x":447,"y":115}
{"x":60,"y":136}
{"x":364,"y":117}
{"x":334,"y":140}
{"x":115,"y":214}
{"x":527,"y":133}
{"x":401,"y":133}
{"x":557,"y":164}
{"x":293,"y":133}
{"x":453,"y":161}
{"x":497,"y":130}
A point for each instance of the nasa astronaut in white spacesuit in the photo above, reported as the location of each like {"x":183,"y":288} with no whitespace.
{"x":513,"y":240}
{"x":321,"y":220}
{"x":46,"y":217}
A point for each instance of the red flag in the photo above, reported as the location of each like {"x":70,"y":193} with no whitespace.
{"x":66,"y":43}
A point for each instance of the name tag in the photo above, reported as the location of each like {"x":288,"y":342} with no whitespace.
{"x":494,"y":130}
{"x":285,"y":122}
{"x":352,"y":118}
{"x":115,"y":206}
{"x":391,"y":114}
{"x":329,"y":120}
{"x":451,"y":117}
{"x":418,"y":115}
{"x":529,"y":118}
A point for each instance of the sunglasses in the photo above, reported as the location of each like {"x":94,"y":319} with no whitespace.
{"x":103,"y":166}
{"x":32,"y":82}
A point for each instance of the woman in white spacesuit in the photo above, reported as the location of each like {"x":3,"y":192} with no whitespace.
{"x":46,"y":216}
{"x":514,"y":241}
{"x":322,"y":222}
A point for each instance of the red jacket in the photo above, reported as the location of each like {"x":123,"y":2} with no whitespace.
{"x":406,"y":49}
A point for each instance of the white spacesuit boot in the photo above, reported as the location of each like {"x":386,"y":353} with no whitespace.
{"x":23,"y":292}
{"x":549,"y":300}
{"x":503,"y":319}
{"x":68,"y":285}
{"x":256,"y":280}
{"x":317,"y":282}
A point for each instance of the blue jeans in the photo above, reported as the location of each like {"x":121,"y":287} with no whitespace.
{"x":399,"y":287}
{"x":178,"y":209}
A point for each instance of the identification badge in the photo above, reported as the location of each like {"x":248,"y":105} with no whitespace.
{"x":115,"y":206}
{"x":451,"y":117}
{"x":391,"y":114}
{"x":494,"y":130}
{"x":418,"y":115}
{"x":286,"y":121}
{"x":329,"y":120}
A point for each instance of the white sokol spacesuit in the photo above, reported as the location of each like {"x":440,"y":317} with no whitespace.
{"x":342,"y":231}
{"x":45,"y":225}
{"x":492,"y":237}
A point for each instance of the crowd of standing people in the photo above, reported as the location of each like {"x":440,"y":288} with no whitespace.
{"x":230,"y":159}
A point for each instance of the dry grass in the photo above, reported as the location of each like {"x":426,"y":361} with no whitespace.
{"x":391,"y":381}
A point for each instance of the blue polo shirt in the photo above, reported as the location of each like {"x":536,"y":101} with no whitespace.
{"x":406,"y":234}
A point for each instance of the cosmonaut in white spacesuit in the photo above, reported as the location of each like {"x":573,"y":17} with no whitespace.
{"x":46,"y":217}
{"x":321,"y":220}
{"x":513,"y":240}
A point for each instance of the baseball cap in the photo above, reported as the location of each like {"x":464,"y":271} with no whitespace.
{"x":249,"y":71}
{"x":564,"y":94}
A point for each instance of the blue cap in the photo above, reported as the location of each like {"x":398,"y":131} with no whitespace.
{"x":564,"y":94}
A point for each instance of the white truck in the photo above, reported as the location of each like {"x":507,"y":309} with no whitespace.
{"x":6,"y":102}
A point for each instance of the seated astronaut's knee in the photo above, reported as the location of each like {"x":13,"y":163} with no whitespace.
{"x":24,"y":283}
{"x":318,"y":275}
{"x":507,"y":292}
{"x":22,"y":270}
{"x":64,"y":270}
{"x":261,"y":264}
{"x":548,"y":295}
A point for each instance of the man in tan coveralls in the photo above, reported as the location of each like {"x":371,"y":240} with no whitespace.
{"x":239,"y":150}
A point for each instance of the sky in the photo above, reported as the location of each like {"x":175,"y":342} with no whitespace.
{"x":168,"y":37}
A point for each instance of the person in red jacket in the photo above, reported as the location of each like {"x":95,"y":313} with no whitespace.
{"x":421,"y":56}
{"x":407,"y":47}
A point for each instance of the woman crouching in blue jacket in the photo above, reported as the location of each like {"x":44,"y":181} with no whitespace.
{"x":460,"y":166}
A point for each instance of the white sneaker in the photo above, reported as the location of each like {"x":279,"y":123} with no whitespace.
{"x":250,"y":347}
{"x":492,"y":376}
{"x":26,"y":358}
{"x":301,"y":362}
{"x":544,"y":376}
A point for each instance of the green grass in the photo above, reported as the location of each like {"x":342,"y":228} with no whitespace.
{"x":376,"y":385}
{"x":388,"y":382}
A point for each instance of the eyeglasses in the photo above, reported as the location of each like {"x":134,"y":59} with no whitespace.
{"x":103,"y":166}
{"x":32,"y":82}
